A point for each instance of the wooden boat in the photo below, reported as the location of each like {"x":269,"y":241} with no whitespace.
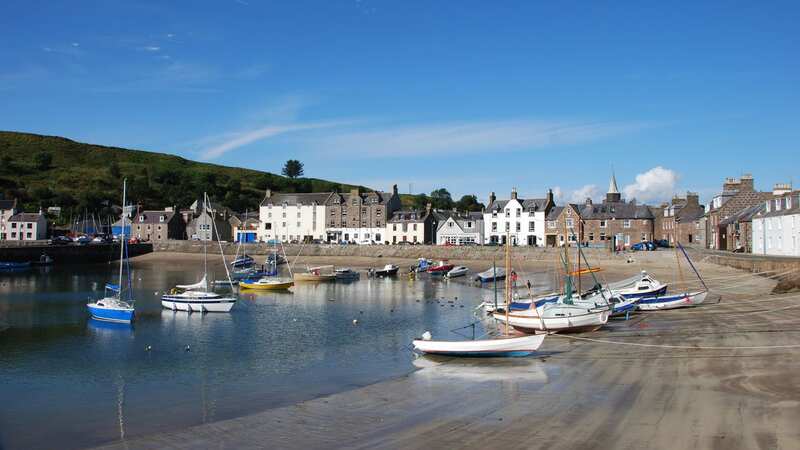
{"x":316,"y":274}
{"x":503,"y":346}
{"x":388,"y":270}
{"x":642,"y":285}
{"x":490,"y":275}
{"x":267,"y":284}
{"x":442,"y":266}
{"x":672,"y":301}
{"x":458,"y":271}
{"x":556,"y":317}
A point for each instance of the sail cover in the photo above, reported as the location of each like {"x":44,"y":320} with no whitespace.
{"x":202,"y":284}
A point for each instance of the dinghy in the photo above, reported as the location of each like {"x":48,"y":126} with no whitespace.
{"x":495,"y":274}
{"x":642,"y":285}
{"x":316,"y":274}
{"x":503,"y":346}
{"x":267,"y":284}
{"x":672,"y":301}
{"x":442,"y":267}
{"x":458,"y":271}
{"x":556,"y":317}
{"x":347,"y":274}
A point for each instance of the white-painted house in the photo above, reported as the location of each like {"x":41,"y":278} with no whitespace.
{"x":288,"y":217}
{"x":776,"y":230}
{"x":461,"y":229}
{"x":7,"y":209}
{"x":27,"y":227}
{"x":523,"y":219}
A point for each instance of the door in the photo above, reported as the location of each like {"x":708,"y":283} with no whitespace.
{"x":532,"y":241}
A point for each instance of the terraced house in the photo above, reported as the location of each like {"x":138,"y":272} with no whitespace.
{"x":776,"y":227}
{"x":7,"y":209}
{"x":158,"y":226}
{"x":460,"y":229}
{"x":521,"y":219}
{"x":737,"y":195}
{"x":681,"y":221}
{"x":360,"y":217}
{"x":413,"y":227}
{"x":298,"y":217}
{"x":24,"y":226}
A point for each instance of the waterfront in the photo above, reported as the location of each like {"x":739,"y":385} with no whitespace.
{"x":93,"y":382}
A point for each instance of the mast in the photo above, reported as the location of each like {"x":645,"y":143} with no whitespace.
{"x":508,"y":277}
{"x":579,"y":258}
{"x":205,"y":252}
{"x":494,"y":280}
{"x":122,"y":237}
{"x":221,"y":252}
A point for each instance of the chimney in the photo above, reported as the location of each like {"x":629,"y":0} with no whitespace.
{"x":731,"y":184}
{"x":492,"y":198}
{"x":269,"y":193}
{"x":354,"y":192}
{"x":692,"y":199}
{"x":550,"y":197}
{"x":781,"y":189}
{"x":747,"y":183}
{"x":513,"y":193}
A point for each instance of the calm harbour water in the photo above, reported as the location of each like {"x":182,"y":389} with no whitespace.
{"x":71,"y":382}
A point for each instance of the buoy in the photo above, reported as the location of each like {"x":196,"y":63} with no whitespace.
{"x":155,"y":293}
{"x":187,"y":348}
{"x":148,"y":348}
{"x":294,"y":320}
{"x":355,"y":321}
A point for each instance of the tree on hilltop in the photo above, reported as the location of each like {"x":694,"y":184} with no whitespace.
{"x":293,"y":168}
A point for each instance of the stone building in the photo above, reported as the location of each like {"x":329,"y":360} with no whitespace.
{"x":158,"y":226}
{"x":460,"y":229}
{"x":563,"y":224}
{"x":360,"y":217}
{"x":298,"y":217}
{"x":521,"y":219}
{"x":680,"y":221}
{"x":415,"y":227}
{"x":737,"y":195}
{"x":738,"y":229}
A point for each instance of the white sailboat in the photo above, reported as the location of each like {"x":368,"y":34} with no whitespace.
{"x":197,"y":297}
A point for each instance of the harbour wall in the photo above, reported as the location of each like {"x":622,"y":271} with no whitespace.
{"x":68,"y":254}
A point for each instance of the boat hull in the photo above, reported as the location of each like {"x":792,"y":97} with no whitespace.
{"x":282,"y":286}
{"x":386,"y":273}
{"x":116,"y":315}
{"x":516,"y":346}
{"x":576,"y":323}
{"x":197,"y":305}
{"x":672,"y":301}
{"x":656,"y":292}
{"x":310,"y":278}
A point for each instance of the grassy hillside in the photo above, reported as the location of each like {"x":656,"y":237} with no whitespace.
{"x":46,"y":170}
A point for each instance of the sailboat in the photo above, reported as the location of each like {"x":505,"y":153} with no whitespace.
{"x":112,"y":308}
{"x":503,"y":346}
{"x":681,"y":300}
{"x":197,"y":297}
{"x":269,"y":280}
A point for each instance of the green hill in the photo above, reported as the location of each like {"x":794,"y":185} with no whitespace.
{"x":54,"y":171}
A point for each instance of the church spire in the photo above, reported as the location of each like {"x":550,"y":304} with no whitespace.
{"x":613,"y":194}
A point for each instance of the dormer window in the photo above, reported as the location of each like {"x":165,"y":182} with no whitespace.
{"x":141,"y":218}
{"x":777,"y":204}
{"x":768,"y":205}
{"x":162,"y":218}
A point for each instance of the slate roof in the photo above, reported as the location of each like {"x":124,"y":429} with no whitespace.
{"x":297,"y":198}
{"x":409,"y":216}
{"x":537,"y":204}
{"x":615,"y":210}
{"x":152,"y":217}
{"x":25,"y":217}
{"x":745,"y":215}
{"x":555,"y":212}
{"x":795,"y":209}
{"x":380,"y":198}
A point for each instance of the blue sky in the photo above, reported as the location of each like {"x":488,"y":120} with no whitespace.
{"x":474,"y":96}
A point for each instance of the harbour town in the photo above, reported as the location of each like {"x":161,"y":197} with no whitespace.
{"x":399,"y":225}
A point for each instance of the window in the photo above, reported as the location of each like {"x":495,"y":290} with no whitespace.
{"x":570,"y":222}
{"x":13,"y":224}
{"x":415,"y":229}
{"x":591,"y":236}
{"x":394,"y":227}
{"x":450,"y":224}
{"x":508,"y":226}
{"x":602,"y":236}
{"x":508,"y":212}
{"x":298,"y":224}
{"x":141,"y":218}
{"x":415,"y":238}
{"x":551,"y":224}
{"x":519,"y":212}
{"x":519,"y":227}
{"x":494,"y":226}
{"x":469,"y":224}
{"x":602,"y":224}
{"x":28,"y":235}
{"x":626,"y":223}
{"x":531,"y":226}
{"x":494,"y":214}
{"x":162,"y":218}
{"x":283,"y":214}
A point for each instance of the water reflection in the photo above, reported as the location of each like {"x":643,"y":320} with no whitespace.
{"x":174,"y":369}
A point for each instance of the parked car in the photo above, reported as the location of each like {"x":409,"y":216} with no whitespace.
{"x":643,"y":246}
{"x":663,"y":243}
{"x":82,"y":240}
{"x":60,"y":240}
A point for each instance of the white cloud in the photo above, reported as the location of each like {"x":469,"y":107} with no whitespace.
{"x":236,"y":140}
{"x":657,"y":184}
{"x":581,"y":194}
{"x":558,"y":194}
{"x":151,"y":48}
{"x":468,"y":137}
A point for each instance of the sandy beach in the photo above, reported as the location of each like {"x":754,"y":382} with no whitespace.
{"x":716,"y":376}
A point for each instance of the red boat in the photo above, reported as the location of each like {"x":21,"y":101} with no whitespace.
{"x":441,"y":266}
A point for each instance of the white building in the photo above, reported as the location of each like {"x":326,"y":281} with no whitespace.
{"x":523,"y":219}
{"x":776,"y":230}
{"x":413,"y":227}
{"x":27,"y":227}
{"x":461,"y":229}
{"x":293,"y":217}
{"x":7,"y":209}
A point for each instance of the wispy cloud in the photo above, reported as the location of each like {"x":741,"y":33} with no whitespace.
{"x":236,"y":140}
{"x":468,"y":137}
{"x":151,"y":48}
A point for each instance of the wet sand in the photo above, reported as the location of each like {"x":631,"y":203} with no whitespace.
{"x":722,"y":375}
